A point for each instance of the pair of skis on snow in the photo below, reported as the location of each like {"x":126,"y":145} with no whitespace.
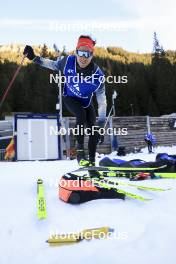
{"x":102,"y":181}
{"x":137,"y":173}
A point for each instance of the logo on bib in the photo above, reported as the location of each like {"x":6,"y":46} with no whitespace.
{"x":70,"y":71}
{"x":76,"y":86}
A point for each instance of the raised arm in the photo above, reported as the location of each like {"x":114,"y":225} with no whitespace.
{"x":54,"y":65}
{"x":57,"y":65}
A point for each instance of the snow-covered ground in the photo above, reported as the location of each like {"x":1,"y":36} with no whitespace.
{"x":144,"y":231}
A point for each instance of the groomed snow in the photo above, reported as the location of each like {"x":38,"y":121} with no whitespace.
{"x":144,"y":231}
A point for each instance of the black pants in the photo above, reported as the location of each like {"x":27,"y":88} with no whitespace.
{"x":85,"y":117}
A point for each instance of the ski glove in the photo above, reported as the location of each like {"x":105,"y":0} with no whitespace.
{"x":29,"y":52}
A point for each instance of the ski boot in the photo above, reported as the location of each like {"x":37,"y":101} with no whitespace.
{"x":82,"y":161}
{"x":93,"y":173}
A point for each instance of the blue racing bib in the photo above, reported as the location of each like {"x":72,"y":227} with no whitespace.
{"x":79,"y":87}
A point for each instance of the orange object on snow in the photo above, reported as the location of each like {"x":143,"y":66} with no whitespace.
{"x":75,"y":190}
{"x":10,"y":150}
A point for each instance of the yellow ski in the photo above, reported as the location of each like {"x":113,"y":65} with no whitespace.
{"x":141,"y":187}
{"x":128,"y":194}
{"x":86,"y":234}
{"x":41,"y":202}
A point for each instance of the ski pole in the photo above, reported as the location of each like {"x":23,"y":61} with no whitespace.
{"x":114,"y":96}
{"x":12,"y":81}
{"x":59,"y":104}
{"x":112,"y":110}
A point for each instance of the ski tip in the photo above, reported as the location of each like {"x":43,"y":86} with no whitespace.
{"x":163,"y":190}
{"x":39,"y":181}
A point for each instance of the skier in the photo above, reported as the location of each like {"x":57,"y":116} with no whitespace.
{"x":151,"y":141}
{"x":77,"y":97}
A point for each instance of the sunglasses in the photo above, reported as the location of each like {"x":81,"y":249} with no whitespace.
{"x":86,"y":54}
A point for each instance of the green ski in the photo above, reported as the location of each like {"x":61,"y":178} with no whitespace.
{"x":166,"y":175}
{"x":131,"y":173}
{"x":41,"y":202}
{"x":117,"y":183}
{"x":141,"y":187}
{"x":135,"y":175}
{"x":120,"y":169}
{"x":104,"y":183}
{"x":128,"y":194}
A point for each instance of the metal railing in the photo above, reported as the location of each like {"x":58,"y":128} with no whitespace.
{"x":2,"y":154}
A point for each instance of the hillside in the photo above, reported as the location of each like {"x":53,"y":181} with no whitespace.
{"x":150,"y":88}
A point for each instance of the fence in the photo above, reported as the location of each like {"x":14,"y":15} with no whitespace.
{"x":137,"y":127}
{"x":2,"y":154}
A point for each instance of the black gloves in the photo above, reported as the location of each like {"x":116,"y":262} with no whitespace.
{"x":29,"y":52}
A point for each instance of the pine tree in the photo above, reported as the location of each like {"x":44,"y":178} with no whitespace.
{"x":44,"y":52}
{"x":158,"y":50}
